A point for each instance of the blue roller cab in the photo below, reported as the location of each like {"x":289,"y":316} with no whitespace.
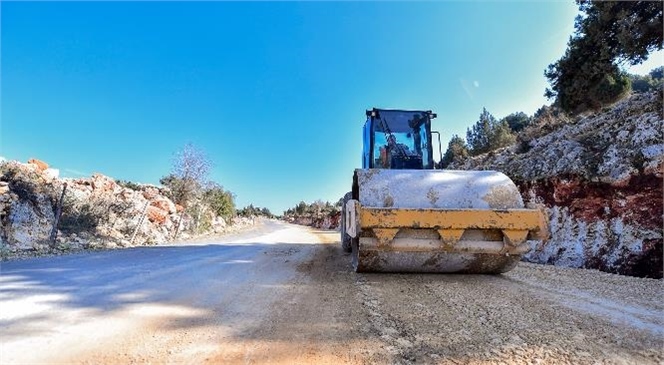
{"x":397,"y":139}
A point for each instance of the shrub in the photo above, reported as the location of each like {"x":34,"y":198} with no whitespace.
{"x":85,"y":215}
{"x":128,"y":184}
{"x":222,"y":202}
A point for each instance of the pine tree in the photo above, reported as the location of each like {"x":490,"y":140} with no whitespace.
{"x":456,"y":151}
{"x":609,"y":33}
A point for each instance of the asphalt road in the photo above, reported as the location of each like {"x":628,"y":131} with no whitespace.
{"x":284,"y":294}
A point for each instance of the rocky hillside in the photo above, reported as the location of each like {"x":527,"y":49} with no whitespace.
{"x":600,"y":178}
{"x":97,"y":212}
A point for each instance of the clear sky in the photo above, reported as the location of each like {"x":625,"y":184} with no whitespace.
{"x":275,"y":93}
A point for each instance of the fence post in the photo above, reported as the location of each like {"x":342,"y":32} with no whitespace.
{"x":58,"y":213}
{"x":140,"y":222}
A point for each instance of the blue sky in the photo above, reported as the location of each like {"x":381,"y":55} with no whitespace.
{"x":275,"y":93}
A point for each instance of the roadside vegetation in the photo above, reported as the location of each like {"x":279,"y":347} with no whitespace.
{"x":252,"y":211}
{"x":586,"y":79}
{"x":204,"y":200}
{"x":188,"y":185}
{"x":41,"y":213}
{"x":320,"y":214}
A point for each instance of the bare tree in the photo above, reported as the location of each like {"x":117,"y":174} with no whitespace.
{"x":188,"y":177}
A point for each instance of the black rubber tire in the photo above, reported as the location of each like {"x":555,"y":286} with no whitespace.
{"x":355,"y":254}
{"x":345,"y":239}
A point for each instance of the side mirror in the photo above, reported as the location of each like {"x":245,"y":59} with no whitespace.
{"x":440,"y":148}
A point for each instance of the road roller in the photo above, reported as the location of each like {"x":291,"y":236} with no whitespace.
{"x":403,"y":214}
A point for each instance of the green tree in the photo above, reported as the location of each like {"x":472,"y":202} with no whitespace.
{"x":608,"y":34}
{"x":222,"y":202}
{"x":657,"y":76}
{"x":315,"y":210}
{"x":478,"y":136}
{"x":175,"y":188}
{"x":501,"y":136}
{"x":517,"y":121}
{"x":456,"y":151}
{"x":248,"y":211}
{"x":488,"y":134}
{"x":251,"y":210}
{"x":651,"y":81}
{"x":610,"y":88}
{"x":585,"y":78}
{"x":301,"y":208}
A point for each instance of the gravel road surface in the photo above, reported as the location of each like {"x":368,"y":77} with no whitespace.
{"x":285,"y":294}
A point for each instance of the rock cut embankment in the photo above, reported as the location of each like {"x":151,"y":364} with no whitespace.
{"x":600,"y":179}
